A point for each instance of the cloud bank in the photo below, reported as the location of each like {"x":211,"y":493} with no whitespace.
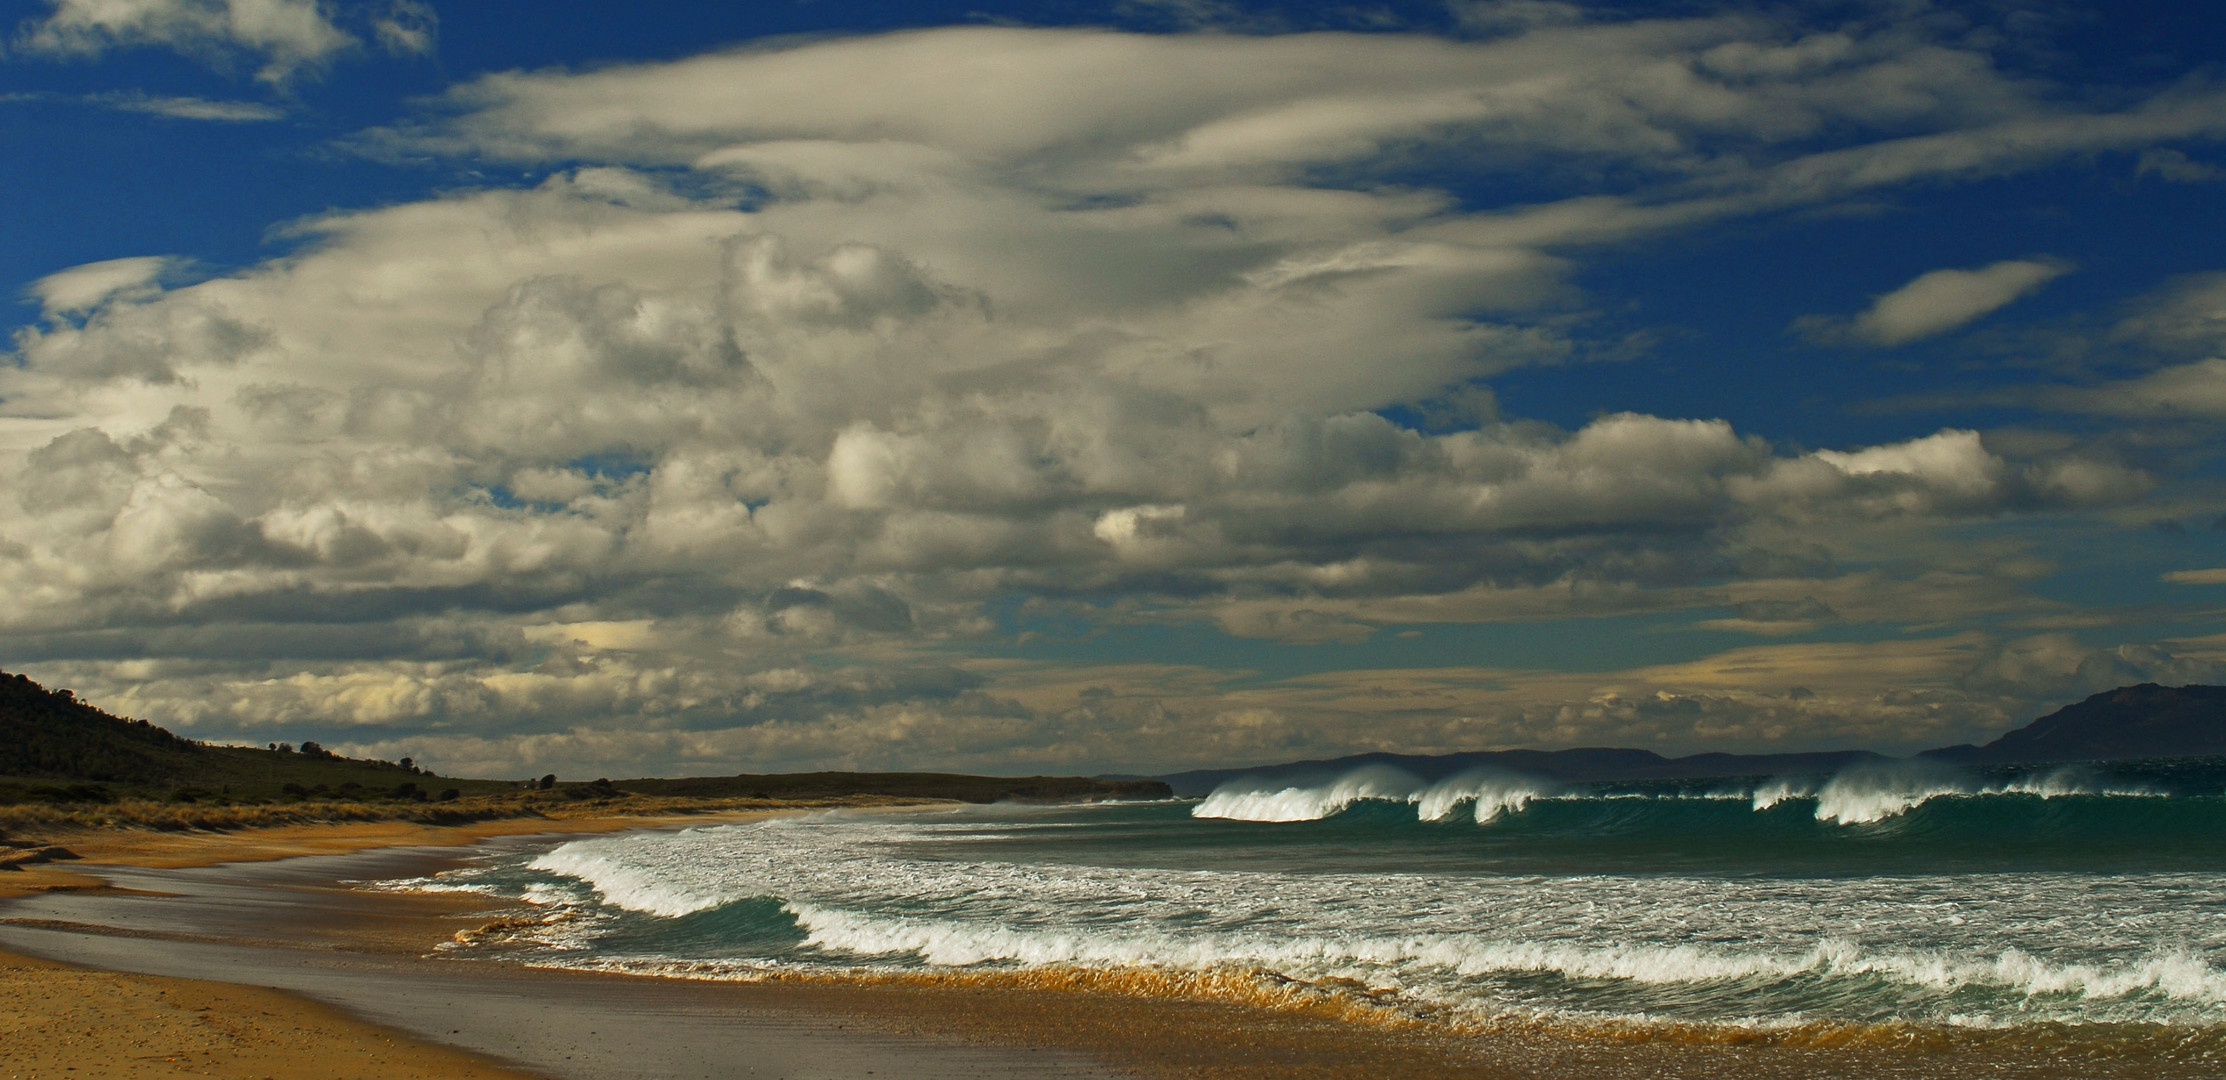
{"x":814,"y":379}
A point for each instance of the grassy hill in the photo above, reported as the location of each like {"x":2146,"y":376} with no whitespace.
{"x":55,"y":748}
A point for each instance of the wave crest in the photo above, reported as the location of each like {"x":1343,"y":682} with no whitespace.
{"x":1251,"y":799}
{"x":626,"y":884}
{"x":1860,"y":796}
{"x":1492,"y":792}
{"x":2173,"y":974}
{"x":1867,"y":796}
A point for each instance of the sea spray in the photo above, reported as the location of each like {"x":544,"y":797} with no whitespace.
{"x":1866,"y":795}
{"x":1493,"y":792}
{"x":1773,"y":792}
{"x":1870,"y":794}
{"x":1861,"y":796}
{"x":1252,"y":799}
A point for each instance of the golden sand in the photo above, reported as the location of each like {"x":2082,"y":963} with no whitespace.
{"x":57,"y":1020}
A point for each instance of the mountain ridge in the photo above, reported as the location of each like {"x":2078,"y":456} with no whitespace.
{"x":2131,"y":722}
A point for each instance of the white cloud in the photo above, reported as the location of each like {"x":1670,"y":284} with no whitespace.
{"x":288,"y":36}
{"x":1939,"y":301}
{"x":407,"y":28}
{"x":80,"y":289}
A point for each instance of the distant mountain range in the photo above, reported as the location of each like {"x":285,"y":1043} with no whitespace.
{"x":2145,"y":721}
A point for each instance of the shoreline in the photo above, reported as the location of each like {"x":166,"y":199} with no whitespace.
{"x":1090,"y":1023}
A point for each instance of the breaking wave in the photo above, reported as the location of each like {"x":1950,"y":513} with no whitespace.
{"x":627,"y":883}
{"x":1856,"y":797}
{"x":1865,"y":796}
{"x":1242,"y":801}
{"x":1490,"y":792}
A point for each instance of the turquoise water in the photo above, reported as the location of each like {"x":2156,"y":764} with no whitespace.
{"x":1998,"y":899}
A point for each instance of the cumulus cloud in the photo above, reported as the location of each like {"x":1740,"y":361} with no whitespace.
{"x":1939,"y":301}
{"x":721,"y":445}
{"x":287,"y":36}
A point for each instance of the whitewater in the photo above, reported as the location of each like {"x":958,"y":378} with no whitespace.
{"x":1925,"y":897}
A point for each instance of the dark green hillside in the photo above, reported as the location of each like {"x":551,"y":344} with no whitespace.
{"x":55,"y":748}
{"x":49,"y":733}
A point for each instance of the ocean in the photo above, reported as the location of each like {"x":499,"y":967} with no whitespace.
{"x":2084,"y":904}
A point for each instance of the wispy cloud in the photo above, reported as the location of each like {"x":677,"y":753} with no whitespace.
{"x":190,"y":108}
{"x":2175,"y":166}
{"x":1937,"y":302}
{"x":288,"y":37}
{"x":177,"y":108}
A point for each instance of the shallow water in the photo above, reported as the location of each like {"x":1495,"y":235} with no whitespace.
{"x":2077,"y":908}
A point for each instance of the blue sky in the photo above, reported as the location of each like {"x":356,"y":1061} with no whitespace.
{"x":1086,"y":387}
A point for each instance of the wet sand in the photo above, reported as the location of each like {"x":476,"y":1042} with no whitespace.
{"x":294,"y":924}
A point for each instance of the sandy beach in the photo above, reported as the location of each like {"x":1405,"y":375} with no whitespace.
{"x":249,"y":954}
{"x":267,"y":908}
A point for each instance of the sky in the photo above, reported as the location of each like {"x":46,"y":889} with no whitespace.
{"x":1082,"y":387}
